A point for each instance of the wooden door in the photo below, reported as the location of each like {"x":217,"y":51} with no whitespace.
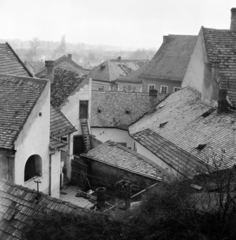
{"x":83,"y":109}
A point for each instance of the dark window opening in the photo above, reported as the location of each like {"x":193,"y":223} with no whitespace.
{"x":123,"y":143}
{"x":163,"y":124}
{"x":127,"y":111}
{"x":83,"y":109}
{"x":33,"y":167}
{"x":78,"y":145}
{"x":99,"y":110}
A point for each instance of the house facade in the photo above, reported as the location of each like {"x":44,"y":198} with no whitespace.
{"x":113,"y":112}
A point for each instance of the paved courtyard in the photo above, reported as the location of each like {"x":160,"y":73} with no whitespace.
{"x":68,"y":193}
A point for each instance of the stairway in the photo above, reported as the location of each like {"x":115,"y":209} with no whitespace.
{"x":85,"y":133}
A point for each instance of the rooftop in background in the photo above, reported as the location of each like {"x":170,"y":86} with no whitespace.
{"x":221,"y":52}
{"x":121,"y":157}
{"x":19,"y":205}
{"x":65,"y":82}
{"x":113,"y":69}
{"x":171,"y":60}
{"x":59,"y":127}
{"x":18,"y":96}
{"x":186,"y":133}
{"x":119,"y":109}
{"x":65,"y":61}
{"x":10,"y":63}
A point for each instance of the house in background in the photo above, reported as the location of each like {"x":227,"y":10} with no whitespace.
{"x":105,"y":75}
{"x":113,"y":112}
{"x":71,"y":94}
{"x":34,"y":67}
{"x":65,"y":62}
{"x":166,"y":70}
{"x":193,"y":130}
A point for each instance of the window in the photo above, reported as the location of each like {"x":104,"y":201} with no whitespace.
{"x":164,"y":89}
{"x":101,"y":88}
{"x":83,"y":109}
{"x":123,"y":143}
{"x":175,"y":89}
{"x":151,"y":86}
{"x":33,"y":167}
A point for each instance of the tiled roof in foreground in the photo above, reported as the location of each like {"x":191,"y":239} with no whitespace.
{"x":189,"y":126}
{"x":19,"y":205}
{"x":221,"y":52}
{"x":18,"y":95}
{"x":116,"y":155}
{"x":119,"y":109}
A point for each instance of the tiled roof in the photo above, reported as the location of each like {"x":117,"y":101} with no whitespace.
{"x":64,"y":61}
{"x":171,"y":60}
{"x":59,"y":124}
{"x":18,"y":96}
{"x":111,"y":70}
{"x":109,"y":109}
{"x":134,"y":76}
{"x":19,"y":205}
{"x":65,"y":82}
{"x":221,"y":51}
{"x":191,"y":127}
{"x":10,"y":63}
{"x":121,"y":157}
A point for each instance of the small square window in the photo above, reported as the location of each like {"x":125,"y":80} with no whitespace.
{"x":164,"y":89}
{"x":175,"y":89}
{"x":151,"y":86}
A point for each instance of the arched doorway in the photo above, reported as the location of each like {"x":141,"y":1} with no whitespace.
{"x":33,"y":167}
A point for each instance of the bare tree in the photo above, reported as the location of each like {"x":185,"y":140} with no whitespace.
{"x":34,"y":43}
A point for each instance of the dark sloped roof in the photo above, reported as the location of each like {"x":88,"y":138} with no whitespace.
{"x":65,"y":82}
{"x":19,"y":205}
{"x":10,"y":63}
{"x":59,"y":127}
{"x":221,"y":51}
{"x":113,"y":106}
{"x":113,"y":69}
{"x":171,"y":60}
{"x":121,"y":157}
{"x":190,"y":126}
{"x":18,"y":96}
{"x":64,"y":61}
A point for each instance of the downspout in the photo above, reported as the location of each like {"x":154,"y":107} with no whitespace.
{"x":50,"y":173}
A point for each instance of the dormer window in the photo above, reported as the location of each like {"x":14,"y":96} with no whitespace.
{"x":127,"y":111}
{"x":200,"y":147}
{"x":162,"y":124}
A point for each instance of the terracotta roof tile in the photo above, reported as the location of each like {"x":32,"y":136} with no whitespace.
{"x":18,"y":96}
{"x":109,"y":109}
{"x":111,"y":70}
{"x":188,"y":127}
{"x":16,"y":213}
{"x":10,"y":63}
{"x":171,"y":60}
{"x":121,"y":157}
{"x":221,"y":51}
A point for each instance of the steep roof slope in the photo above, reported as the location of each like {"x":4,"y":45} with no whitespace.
{"x":186,"y":133}
{"x":171,"y":60}
{"x":10,"y":63}
{"x":119,"y":109}
{"x":19,"y":205}
{"x":113,"y":69}
{"x":65,"y":82}
{"x":116,"y":155}
{"x":221,"y":51}
{"x":18,"y":96}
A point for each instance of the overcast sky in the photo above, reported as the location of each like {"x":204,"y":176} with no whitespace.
{"x":125,"y":23}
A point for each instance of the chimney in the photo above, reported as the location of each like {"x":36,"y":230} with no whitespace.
{"x":70,"y":56}
{"x":152,"y":100}
{"x":49,"y":65}
{"x":222,"y":102}
{"x":119,"y":58}
{"x":233,"y":19}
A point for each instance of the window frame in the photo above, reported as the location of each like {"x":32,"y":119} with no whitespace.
{"x":165,"y":87}
{"x":175,"y":88}
{"x":151,"y":88}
